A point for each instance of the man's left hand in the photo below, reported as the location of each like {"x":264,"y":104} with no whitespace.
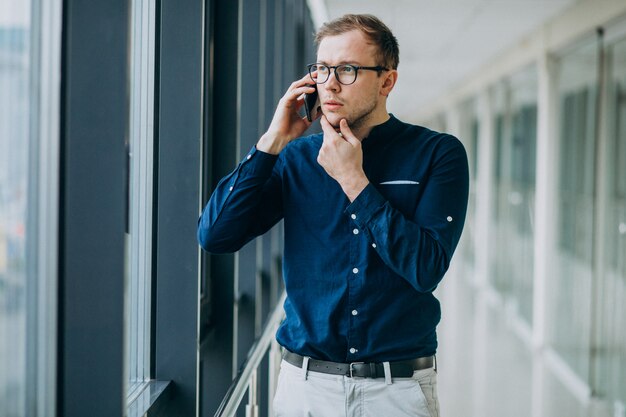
{"x":341,"y":157}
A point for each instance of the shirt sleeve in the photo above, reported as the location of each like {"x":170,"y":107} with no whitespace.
{"x":245,"y":204}
{"x":420,"y":248}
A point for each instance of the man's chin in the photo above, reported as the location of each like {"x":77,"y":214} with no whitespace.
{"x":334,"y":119}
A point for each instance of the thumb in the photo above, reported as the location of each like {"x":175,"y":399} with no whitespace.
{"x":347,"y":133}
{"x":325,"y":124}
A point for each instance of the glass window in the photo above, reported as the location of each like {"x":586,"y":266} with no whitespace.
{"x":140,"y":187}
{"x":515,"y":131}
{"x":570,"y":287}
{"x":612,"y":353}
{"x":29,"y":140}
{"x":15,"y":29}
{"x":500,"y":265}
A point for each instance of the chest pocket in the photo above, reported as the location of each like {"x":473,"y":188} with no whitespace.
{"x":403,"y":195}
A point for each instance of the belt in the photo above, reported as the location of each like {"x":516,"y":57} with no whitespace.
{"x":399,"y":369}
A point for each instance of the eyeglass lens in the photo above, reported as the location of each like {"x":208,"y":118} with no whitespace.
{"x":346,"y":74}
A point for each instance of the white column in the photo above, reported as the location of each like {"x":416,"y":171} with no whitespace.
{"x":546,"y":194}
{"x":453,"y":121}
{"x":545,"y":216}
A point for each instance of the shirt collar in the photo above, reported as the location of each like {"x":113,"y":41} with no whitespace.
{"x":383,"y":132}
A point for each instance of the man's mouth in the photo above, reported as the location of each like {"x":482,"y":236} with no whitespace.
{"x":332,"y":105}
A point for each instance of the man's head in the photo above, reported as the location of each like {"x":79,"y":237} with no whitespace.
{"x":360,"y":41}
{"x":377,"y":33}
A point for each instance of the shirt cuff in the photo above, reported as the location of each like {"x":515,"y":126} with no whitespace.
{"x":365,"y":206}
{"x":258,"y":162}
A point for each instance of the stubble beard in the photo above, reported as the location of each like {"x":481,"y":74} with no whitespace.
{"x":358,"y":120}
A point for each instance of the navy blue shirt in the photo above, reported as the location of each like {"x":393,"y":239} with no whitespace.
{"x":359,"y":276}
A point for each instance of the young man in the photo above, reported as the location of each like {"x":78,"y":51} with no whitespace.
{"x":373,"y":210}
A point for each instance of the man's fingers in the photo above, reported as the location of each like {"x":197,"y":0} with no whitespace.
{"x":297,"y":92}
{"x":299,"y":103}
{"x":296,"y":96}
{"x":297,"y":89}
{"x":305,"y":81}
{"x":329,"y":130}
{"x":301,"y":81}
{"x":326,"y":127}
{"x":347,"y":133}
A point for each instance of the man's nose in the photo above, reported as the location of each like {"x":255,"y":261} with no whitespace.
{"x":332,"y":83}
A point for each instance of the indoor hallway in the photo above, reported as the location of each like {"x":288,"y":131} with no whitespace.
{"x":486,"y":363}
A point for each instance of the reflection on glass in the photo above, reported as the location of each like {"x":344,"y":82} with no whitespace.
{"x":570,"y":287}
{"x":612,"y":353}
{"x":14,"y":142}
{"x":140,"y":184}
{"x":515,"y":131}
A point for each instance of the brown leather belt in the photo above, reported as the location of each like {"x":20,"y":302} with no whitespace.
{"x":399,"y":369}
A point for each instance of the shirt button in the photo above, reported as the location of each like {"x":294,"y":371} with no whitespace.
{"x":355,"y":270}
{"x":231,"y":188}
{"x":353,"y":350}
{"x":354,"y":312}
{"x":249,"y":156}
{"x":355,"y":231}
{"x":373,"y":245}
{"x":353,"y":216}
{"x":449,"y":218}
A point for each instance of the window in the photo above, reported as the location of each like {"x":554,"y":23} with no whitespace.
{"x":611,"y":352}
{"x":515,"y":129}
{"x":29,"y":108}
{"x":14,"y":144}
{"x":140,"y":196}
{"x":569,"y":315}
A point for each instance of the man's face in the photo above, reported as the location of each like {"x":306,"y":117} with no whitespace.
{"x":355,"y":102}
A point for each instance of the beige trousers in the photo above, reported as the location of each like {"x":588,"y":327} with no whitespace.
{"x":314,"y":394}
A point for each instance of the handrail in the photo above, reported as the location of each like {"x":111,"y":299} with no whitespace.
{"x":247,"y":371}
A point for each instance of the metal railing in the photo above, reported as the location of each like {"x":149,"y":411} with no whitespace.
{"x":246,"y":378}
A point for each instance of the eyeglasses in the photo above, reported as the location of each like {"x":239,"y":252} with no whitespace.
{"x":345,"y":74}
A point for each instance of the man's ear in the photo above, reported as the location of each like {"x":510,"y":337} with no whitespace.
{"x":389,"y":81}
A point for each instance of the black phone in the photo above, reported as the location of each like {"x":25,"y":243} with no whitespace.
{"x":311,"y":104}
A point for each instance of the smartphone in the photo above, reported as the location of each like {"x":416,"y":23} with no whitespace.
{"x":311,"y":104}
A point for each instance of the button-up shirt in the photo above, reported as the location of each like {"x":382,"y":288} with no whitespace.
{"x":359,"y":275}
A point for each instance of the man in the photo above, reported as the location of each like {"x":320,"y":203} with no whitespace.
{"x":373,"y":210}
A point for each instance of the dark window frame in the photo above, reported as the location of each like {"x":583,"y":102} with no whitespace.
{"x":95,"y":118}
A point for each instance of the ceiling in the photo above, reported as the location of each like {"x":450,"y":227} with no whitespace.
{"x":442,"y":42}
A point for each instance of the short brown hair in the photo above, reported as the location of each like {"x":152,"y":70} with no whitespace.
{"x":373,"y":28}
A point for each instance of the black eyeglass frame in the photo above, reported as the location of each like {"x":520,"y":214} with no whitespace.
{"x":356,"y":68}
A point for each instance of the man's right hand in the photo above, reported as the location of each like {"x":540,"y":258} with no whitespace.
{"x":287,"y":124}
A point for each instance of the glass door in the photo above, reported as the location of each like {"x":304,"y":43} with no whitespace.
{"x":610,"y":344}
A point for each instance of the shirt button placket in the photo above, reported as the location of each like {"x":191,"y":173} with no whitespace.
{"x":354,"y":258}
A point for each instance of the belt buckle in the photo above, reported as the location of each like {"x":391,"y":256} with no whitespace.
{"x":352,"y":364}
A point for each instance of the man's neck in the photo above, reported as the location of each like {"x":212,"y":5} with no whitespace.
{"x":363,"y":131}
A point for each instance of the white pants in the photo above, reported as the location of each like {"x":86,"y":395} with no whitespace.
{"x":314,"y":394}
